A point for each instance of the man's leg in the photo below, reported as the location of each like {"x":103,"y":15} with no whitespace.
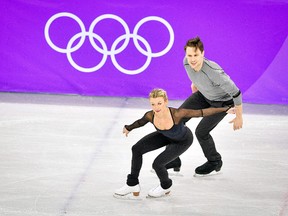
{"x":195,"y":101}
{"x":206,"y":125}
{"x":202,"y":132}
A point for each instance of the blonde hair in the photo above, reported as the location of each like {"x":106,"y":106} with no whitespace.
{"x":157,"y":92}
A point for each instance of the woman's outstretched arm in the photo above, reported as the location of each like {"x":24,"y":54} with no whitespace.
{"x":213,"y":110}
{"x":190,"y":113}
{"x":138,"y":123}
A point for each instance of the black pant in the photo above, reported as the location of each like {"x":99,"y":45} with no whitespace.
{"x":207,"y":124}
{"x":152,"y":142}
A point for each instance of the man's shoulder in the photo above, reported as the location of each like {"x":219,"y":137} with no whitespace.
{"x":185,"y":61}
{"x":211,"y":65}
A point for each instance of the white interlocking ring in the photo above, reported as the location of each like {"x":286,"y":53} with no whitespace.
{"x":104,"y":50}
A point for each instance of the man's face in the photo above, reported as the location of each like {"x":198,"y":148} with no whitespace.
{"x":195,"y":58}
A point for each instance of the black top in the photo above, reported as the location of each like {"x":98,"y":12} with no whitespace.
{"x":177,"y":131}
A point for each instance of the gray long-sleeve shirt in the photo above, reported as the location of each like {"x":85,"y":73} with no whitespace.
{"x":213,"y":82}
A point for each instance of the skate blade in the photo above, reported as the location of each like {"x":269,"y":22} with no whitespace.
{"x":214,"y":173}
{"x":171,"y":173}
{"x":163,"y":196}
{"x":127,"y":197}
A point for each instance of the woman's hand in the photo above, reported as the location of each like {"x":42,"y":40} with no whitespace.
{"x":231,"y":110}
{"x":125,"y":131}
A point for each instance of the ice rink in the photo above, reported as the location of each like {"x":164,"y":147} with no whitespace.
{"x":65,"y":155}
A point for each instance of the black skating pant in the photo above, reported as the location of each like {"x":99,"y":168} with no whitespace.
{"x":207,"y":124}
{"x":152,"y":142}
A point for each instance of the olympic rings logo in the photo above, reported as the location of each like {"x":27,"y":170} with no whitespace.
{"x":104,"y":50}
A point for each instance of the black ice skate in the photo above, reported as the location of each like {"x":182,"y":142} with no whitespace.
{"x":175,"y":164}
{"x":209,"y":167}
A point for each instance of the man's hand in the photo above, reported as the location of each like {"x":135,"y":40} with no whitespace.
{"x":237,"y":123}
{"x":238,"y":120}
{"x":193,"y":88}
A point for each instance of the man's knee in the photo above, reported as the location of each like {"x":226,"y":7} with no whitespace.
{"x":201,"y":133}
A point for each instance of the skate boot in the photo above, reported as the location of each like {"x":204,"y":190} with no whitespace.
{"x":127,"y":191}
{"x":208,"y":167}
{"x":175,"y":164}
{"x":158,"y":192}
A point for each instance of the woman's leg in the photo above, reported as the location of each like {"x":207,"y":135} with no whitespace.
{"x":172,"y":151}
{"x":195,"y":101}
{"x":148,"y":143}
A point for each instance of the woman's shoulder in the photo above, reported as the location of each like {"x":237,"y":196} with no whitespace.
{"x":149,"y":115}
{"x":150,"y":112}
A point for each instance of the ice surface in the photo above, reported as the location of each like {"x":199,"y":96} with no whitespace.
{"x":65,"y":155}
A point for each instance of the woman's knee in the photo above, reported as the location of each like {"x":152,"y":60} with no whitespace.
{"x":156,"y":165}
{"x":136,"y":149}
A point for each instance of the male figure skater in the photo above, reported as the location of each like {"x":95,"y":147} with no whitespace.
{"x":211,"y":87}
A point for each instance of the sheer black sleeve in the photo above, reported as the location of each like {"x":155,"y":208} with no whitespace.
{"x":140,"y":122}
{"x":190,"y":113}
{"x":213,"y":110}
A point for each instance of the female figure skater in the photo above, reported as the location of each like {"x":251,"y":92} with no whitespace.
{"x":170,"y":132}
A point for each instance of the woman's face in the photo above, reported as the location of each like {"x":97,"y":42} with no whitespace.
{"x":158,"y":104}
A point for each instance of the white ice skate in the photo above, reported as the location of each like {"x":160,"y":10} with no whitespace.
{"x":128,"y":192}
{"x":158,"y":192}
